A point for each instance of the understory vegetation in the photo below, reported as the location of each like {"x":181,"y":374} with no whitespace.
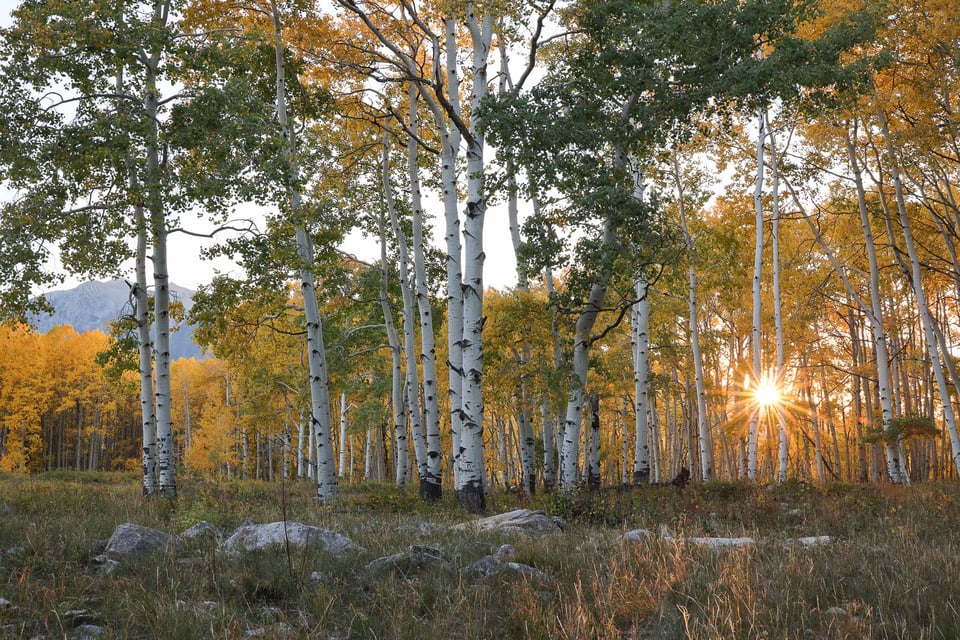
{"x":890,"y":570}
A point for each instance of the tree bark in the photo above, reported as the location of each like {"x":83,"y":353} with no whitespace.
{"x":431,"y":474}
{"x":327,"y":489}
{"x":756,"y":333}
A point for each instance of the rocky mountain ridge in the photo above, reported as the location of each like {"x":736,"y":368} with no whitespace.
{"x":94,"y":305}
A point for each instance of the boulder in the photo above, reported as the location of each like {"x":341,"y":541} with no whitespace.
{"x":517,"y":521}
{"x":718,"y":544}
{"x":506,"y":553}
{"x":637,"y":535}
{"x":416,"y":559}
{"x":485,"y":566}
{"x":203,"y":531}
{"x":493,"y":566}
{"x":132,"y":541}
{"x":811,"y":541}
{"x":277,"y":534}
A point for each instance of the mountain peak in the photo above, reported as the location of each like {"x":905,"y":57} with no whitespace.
{"x":93,"y":305}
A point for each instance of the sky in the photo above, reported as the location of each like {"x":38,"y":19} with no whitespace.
{"x":187,"y":269}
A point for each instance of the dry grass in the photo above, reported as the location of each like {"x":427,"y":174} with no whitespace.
{"x":893,"y":570}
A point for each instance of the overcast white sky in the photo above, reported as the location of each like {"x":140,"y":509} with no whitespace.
{"x":188,"y":270}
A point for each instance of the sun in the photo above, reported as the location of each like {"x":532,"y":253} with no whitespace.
{"x":767,"y":394}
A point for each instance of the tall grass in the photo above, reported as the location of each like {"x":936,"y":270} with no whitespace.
{"x":891,"y":571}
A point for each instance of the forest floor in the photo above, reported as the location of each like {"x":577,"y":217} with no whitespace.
{"x":889,"y":569}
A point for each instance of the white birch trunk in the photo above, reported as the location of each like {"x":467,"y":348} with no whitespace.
{"x":875,"y":316}
{"x":451,"y":137}
{"x":703,"y":419}
{"x":778,"y":308}
{"x":311,"y":450}
{"x":549,"y":421}
{"x":368,"y":457}
{"x":925,"y":316}
{"x":411,"y":377}
{"x":145,"y":350}
{"x":640,"y":339}
{"x":301,"y":447}
{"x":431,"y":473}
{"x":756,"y":331}
{"x":569,"y":452}
{"x":343,"y":436}
{"x":472,"y":472}
{"x":549,"y":446}
{"x":815,"y":425}
{"x":396,"y":369}
{"x":326,"y":477}
{"x":166,"y":463}
{"x":140,"y":300}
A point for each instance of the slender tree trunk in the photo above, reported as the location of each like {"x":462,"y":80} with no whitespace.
{"x":703,"y":419}
{"x":926,"y":317}
{"x":550,"y":420}
{"x":875,"y":315}
{"x":569,"y":452}
{"x":431,"y":474}
{"x":640,"y":338}
{"x":301,"y":445}
{"x":778,"y":309}
{"x":471,"y":493}
{"x":343,"y":436}
{"x":326,"y":477}
{"x":396,"y":369}
{"x":166,"y":463}
{"x":756,"y":334}
{"x":141,"y":310}
{"x":368,"y":457}
{"x":409,"y":323}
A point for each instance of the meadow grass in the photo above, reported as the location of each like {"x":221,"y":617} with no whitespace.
{"x":891,"y":570}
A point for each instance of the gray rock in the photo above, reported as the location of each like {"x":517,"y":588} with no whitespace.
{"x":637,"y":535}
{"x":720,"y":544}
{"x":492,"y":566}
{"x":88,"y":632}
{"x":203,"y":532}
{"x":528,"y":572}
{"x":130,"y":541}
{"x":79,"y":617}
{"x":296,"y":534}
{"x":520,"y":520}
{"x":506,"y":553}
{"x":811,"y":541}
{"x":5,"y":605}
{"x":416,"y":559}
{"x":485,"y":566}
